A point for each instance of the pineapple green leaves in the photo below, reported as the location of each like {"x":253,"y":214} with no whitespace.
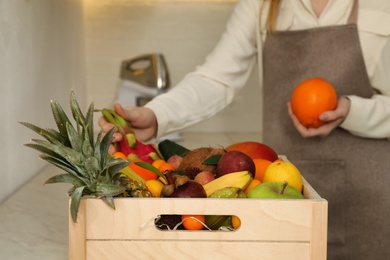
{"x":86,"y":162}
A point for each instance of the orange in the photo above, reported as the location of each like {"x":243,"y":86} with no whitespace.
{"x":310,"y":99}
{"x":144,"y":173}
{"x":284,"y":172}
{"x":253,"y":184}
{"x":119,"y":155}
{"x":157,"y":163}
{"x":236,"y":222}
{"x":166,"y":167}
{"x":193,"y":222}
{"x":261,"y":166}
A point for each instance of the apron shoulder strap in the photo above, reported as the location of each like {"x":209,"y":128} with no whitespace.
{"x":352,"y":19}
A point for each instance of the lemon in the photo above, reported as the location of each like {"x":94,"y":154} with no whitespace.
{"x":155,"y":187}
{"x":284,"y":171}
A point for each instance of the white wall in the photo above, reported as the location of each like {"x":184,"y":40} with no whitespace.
{"x":41,"y":58}
{"x":184,"y":31}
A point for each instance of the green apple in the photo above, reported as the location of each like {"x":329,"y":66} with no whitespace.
{"x":275,"y":190}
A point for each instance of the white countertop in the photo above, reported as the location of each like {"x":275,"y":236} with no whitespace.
{"x":34,"y":221}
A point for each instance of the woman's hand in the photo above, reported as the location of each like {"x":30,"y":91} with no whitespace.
{"x":332,"y":120}
{"x":143,"y":121}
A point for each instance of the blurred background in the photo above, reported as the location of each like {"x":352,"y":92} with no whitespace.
{"x":48,"y":47}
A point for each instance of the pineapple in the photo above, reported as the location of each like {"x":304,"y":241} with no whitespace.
{"x":87,"y":163}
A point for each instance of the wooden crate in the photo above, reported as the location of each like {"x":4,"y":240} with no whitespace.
{"x":270,"y":229}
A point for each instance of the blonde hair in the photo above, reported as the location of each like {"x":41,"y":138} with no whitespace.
{"x":272,"y":14}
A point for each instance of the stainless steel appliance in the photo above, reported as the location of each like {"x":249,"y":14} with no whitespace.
{"x":142,"y":78}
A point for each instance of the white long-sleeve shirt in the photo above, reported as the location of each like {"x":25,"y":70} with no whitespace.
{"x":212,"y":86}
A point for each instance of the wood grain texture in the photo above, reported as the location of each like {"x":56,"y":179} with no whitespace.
{"x":124,"y":250}
{"x":270,"y":229}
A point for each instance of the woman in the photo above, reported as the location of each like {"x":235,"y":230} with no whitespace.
{"x":347,"y":43}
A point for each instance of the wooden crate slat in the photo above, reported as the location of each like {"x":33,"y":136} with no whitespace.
{"x":123,"y":250}
{"x":282,"y":220}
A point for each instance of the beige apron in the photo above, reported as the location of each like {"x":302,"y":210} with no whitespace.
{"x":352,"y":173}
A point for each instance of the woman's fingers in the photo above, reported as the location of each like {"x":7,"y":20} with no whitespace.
{"x":333,"y":120}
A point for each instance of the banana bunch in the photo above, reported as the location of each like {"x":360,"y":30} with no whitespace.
{"x":240,"y":180}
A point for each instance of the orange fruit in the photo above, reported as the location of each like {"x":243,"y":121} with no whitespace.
{"x":166,"y":167}
{"x":157,"y":163}
{"x":253,"y":184}
{"x":310,"y":99}
{"x":119,"y":155}
{"x":236,"y":222}
{"x":193,"y":222}
{"x":284,"y":172}
{"x":261,"y":166}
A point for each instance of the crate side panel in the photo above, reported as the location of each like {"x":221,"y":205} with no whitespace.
{"x":267,"y":220}
{"x":119,"y":250}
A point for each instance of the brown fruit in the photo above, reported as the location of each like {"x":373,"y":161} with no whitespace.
{"x":193,"y":161}
{"x":182,"y":187}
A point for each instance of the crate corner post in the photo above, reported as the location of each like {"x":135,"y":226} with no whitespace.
{"x":77,"y":234}
{"x":319,"y":230}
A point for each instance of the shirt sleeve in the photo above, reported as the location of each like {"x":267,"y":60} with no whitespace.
{"x":212,"y":86}
{"x":371,"y":117}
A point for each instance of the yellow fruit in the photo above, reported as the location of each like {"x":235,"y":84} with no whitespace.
{"x":240,"y":180}
{"x":155,"y":187}
{"x":284,"y":171}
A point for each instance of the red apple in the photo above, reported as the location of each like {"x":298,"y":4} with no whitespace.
{"x":235,"y":161}
{"x":255,"y":150}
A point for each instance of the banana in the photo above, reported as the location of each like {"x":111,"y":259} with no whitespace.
{"x":240,"y":180}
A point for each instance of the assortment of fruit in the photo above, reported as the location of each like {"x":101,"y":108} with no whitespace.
{"x":241,"y":170}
